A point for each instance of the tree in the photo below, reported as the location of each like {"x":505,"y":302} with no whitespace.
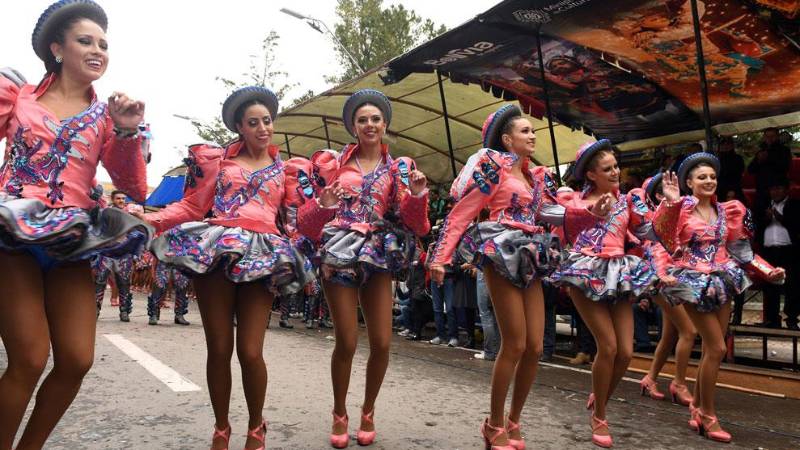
{"x":262,"y":72}
{"x":374,"y":34}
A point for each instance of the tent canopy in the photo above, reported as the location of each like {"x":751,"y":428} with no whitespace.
{"x":626,"y":70}
{"x":418,"y":128}
{"x":169,"y":190}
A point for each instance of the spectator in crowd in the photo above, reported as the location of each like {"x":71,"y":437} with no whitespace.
{"x":550,"y":300}
{"x":731,"y":170}
{"x":779,"y":233}
{"x":443,"y":312}
{"x":491,"y":333}
{"x":586,"y":345}
{"x":645,"y":312}
{"x":465,"y":300}
{"x":420,"y":307}
{"x":772,"y":160}
{"x":693,"y":148}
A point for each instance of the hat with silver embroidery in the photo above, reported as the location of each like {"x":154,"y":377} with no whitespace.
{"x":585,"y":154}
{"x":56,"y":15}
{"x":690,"y":163}
{"x":241,"y":96}
{"x":359,"y":99}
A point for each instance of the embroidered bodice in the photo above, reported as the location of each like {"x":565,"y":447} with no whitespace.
{"x":370,"y":198}
{"x":229,"y":193}
{"x":55,"y":161}
{"x":486,"y":181}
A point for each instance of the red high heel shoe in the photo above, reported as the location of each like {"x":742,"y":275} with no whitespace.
{"x":601,"y":440}
{"x":259,"y":433}
{"x":340,"y":440}
{"x":703,"y":427}
{"x":518,"y":444}
{"x":366,"y":437}
{"x":650,"y":388}
{"x":489,"y":439}
{"x":225,"y":435}
{"x":680,"y":394}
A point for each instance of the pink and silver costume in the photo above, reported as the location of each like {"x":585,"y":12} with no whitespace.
{"x":47,"y":191}
{"x":373,"y":228}
{"x":511,"y":240}
{"x":241,"y":235}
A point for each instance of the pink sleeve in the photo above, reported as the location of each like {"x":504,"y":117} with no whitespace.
{"x":640,"y":216}
{"x":661,"y":259}
{"x":665,"y":223}
{"x":125,"y":160}
{"x":298,"y":190}
{"x":477,"y":192}
{"x":740,"y":232}
{"x":202,"y":168}
{"x":8,"y":97}
{"x":311,"y":217}
{"x":576,"y":217}
{"x":738,"y":220}
{"x":413,"y":209}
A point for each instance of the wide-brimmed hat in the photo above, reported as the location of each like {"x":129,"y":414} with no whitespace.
{"x":358,"y":99}
{"x":244,"y":95}
{"x":53,"y":18}
{"x":651,"y":187}
{"x":493,"y":126}
{"x":585,"y":154}
{"x":690,"y":162}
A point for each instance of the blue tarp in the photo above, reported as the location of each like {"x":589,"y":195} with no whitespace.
{"x":170,"y":190}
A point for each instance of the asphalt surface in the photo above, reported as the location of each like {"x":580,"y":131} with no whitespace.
{"x":432,"y":398}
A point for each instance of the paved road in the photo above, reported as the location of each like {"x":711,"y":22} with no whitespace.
{"x":433,"y":398}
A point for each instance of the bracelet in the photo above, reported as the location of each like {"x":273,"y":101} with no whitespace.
{"x":125,"y":132}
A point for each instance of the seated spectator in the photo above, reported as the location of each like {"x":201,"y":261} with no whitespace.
{"x":778,"y":230}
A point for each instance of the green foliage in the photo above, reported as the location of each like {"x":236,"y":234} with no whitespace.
{"x":261,"y":72}
{"x":374,"y":34}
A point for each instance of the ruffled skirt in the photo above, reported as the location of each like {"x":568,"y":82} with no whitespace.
{"x":519,"y":256}
{"x":349,"y":257}
{"x":709,"y":291}
{"x":245,"y":256}
{"x":606,"y":279}
{"x":69,"y":233}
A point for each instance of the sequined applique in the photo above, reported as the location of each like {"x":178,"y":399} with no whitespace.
{"x":257,"y":182}
{"x":193,"y":171}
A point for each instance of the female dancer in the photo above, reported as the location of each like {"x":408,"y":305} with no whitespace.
{"x":677,"y":330}
{"x":50,"y":227}
{"x":711,"y":248}
{"x":373,"y":201}
{"x":600,"y":276}
{"x":513,"y":253}
{"x":237,"y":258}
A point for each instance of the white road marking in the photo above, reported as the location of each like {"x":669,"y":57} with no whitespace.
{"x":161,"y":371}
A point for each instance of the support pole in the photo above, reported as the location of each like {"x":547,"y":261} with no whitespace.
{"x":327,"y":136}
{"x":701,"y":68}
{"x":447,"y":125}
{"x":547,"y":104}
{"x":288,"y":149}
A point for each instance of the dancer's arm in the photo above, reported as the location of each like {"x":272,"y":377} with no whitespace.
{"x":413,"y":208}
{"x":740,"y":232}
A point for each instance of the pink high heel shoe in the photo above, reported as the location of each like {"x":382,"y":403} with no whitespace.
{"x":590,"y":402}
{"x":703,"y":427}
{"x":650,"y":388}
{"x":367,"y":437}
{"x":518,"y":444}
{"x":490,"y":434}
{"x":692,"y":422}
{"x":601,"y":440}
{"x":680,"y":394}
{"x":259,"y":433}
{"x":225,"y":435}
{"x":340,"y":440}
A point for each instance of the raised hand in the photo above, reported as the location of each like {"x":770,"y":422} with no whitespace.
{"x":437,"y":273}
{"x":418,"y":182}
{"x":668,"y":280}
{"x":331,"y":195}
{"x":669,"y":186}
{"x":126,"y":113}
{"x":777,"y":275}
{"x":603,"y":205}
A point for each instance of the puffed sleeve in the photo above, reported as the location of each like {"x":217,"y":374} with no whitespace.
{"x":640,"y":216}
{"x":472,"y":190}
{"x":311,"y":216}
{"x":125,"y":159}
{"x":298,"y":190}
{"x":569,"y":214}
{"x":666,"y":222}
{"x":10,"y":84}
{"x":413,"y":209}
{"x":202,"y":168}
{"x":740,"y":232}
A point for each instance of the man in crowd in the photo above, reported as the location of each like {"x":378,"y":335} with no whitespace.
{"x":122,"y":268}
{"x":772,"y":160}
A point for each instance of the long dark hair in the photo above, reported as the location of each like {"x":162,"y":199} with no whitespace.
{"x":59,"y":35}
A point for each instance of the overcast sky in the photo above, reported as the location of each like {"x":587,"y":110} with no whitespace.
{"x":168,"y":53}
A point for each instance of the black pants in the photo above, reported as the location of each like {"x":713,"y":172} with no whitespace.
{"x":782,"y":257}
{"x":586,"y":343}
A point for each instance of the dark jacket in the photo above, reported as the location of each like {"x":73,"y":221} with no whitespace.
{"x":789,"y":219}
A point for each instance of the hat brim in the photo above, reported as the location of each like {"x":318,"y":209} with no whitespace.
{"x":244,"y":95}
{"x":580,"y":164}
{"x":652,"y":187}
{"x":690,"y":162}
{"x":358,"y":99}
{"x":52,"y":18}
{"x":494,"y":130}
